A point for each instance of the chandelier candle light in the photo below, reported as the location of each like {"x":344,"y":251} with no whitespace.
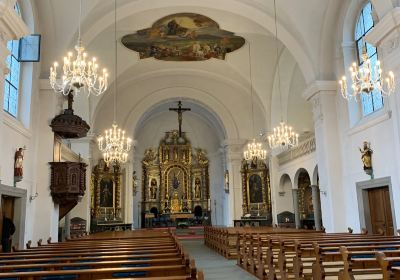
{"x":114,"y":145}
{"x":365,"y":79}
{"x":254,"y":149}
{"x":79,"y":71}
{"x":284,"y":136}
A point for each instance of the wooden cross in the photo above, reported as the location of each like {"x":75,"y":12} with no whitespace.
{"x":180,"y":110}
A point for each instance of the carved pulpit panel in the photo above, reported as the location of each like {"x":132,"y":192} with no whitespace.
{"x":256,"y":189}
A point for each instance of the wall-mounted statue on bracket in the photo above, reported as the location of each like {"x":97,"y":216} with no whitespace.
{"x":18,"y":164}
{"x":366,"y":157}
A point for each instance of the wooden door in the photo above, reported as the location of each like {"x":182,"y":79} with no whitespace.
{"x":7,"y":210}
{"x":380,"y":210}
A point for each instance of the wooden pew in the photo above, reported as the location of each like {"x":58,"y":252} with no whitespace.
{"x":157,"y":255}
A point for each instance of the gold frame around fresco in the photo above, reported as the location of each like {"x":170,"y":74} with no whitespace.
{"x":262,"y":175}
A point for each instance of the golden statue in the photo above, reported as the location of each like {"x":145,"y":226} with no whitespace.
{"x":175,"y":205}
{"x":197,"y":191}
{"x":366,"y":157}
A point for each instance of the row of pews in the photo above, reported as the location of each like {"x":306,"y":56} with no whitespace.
{"x":224,"y":239}
{"x":277,"y":254}
{"x":144,"y":254}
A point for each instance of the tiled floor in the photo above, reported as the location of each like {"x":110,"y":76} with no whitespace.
{"x":214,"y":265}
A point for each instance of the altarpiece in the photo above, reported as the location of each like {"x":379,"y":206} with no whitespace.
{"x":175,"y":178}
{"x":256,"y":192}
{"x":106,"y":193}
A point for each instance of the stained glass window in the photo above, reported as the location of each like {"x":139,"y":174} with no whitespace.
{"x":11,"y":85}
{"x":373,"y":101}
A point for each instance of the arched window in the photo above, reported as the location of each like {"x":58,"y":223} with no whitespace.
{"x":12,"y":80}
{"x":373,"y":101}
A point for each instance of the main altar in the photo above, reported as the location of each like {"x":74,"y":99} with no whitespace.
{"x":175,"y":182}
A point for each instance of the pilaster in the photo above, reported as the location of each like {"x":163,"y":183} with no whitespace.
{"x":234,"y":153}
{"x":317,"y":206}
{"x":295,"y":193}
{"x":323,"y":95}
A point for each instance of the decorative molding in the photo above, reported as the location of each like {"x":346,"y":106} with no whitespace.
{"x":317,"y":110}
{"x":10,"y":23}
{"x":322,"y":87}
{"x":306,"y":147}
{"x":16,"y":125}
{"x":383,"y":30}
{"x":369,"y":122}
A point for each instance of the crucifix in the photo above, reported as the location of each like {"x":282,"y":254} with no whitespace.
{"x":180,"y":110}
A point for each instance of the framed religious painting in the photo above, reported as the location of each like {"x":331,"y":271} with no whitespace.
{"x":256,"y":189}
{"x":107,"y":192}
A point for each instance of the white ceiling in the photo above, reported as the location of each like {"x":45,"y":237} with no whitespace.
{"x":307,"y":36}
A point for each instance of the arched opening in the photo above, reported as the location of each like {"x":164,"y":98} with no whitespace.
{"x":198,"y":211}
{"x":284,"y":205}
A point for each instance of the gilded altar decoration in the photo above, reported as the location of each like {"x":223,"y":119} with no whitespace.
{"x":183,"y":37}
{"x":106,"y":192}
{"x":175,"y":177}
{"x":256,"y":189}
{"x":366,"y":157}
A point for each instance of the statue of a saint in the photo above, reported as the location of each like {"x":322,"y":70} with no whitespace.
{"x":197,"y":192}
{"x":366,"y":157}
{"x":134,"y":183}
{"x":18,"y":164}
{"x":153,"y":189}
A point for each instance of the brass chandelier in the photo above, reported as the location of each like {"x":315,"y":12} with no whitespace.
{"x":365,"y":79}
{"x":283,"y":136}
{"x":114,"y":145}
{"x":79,"y":71}
{"x":254,"y":149}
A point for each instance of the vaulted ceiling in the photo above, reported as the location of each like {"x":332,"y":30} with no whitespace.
{"x":307,"y":40}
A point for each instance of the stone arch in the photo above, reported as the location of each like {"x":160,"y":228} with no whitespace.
{"x":296,"y":177}
{"x":315,"y":176}
{"x":207,"y":101}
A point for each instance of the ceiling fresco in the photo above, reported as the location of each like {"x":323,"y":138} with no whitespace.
{"x":183,"y":37}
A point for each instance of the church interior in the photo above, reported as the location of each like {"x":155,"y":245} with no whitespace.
{"x":241,"y":139}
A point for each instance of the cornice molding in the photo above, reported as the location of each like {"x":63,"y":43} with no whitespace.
{"x":16,"y":125}
{"x":322,"y":87}
{"x":11,"y":25}
{"x":382,"y":31}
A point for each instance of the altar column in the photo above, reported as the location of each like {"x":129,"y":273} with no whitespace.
{"x":317,"y":206}
{"x":295,"y":193}
{"x":234,"y":153}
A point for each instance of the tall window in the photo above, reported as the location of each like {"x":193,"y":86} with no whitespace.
{"x":373,"y":101}
{"x":11,"y":85}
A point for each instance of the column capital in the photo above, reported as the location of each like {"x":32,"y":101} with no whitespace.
{"x":320,"y":88}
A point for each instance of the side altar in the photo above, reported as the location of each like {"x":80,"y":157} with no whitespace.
{"x":256,"y":190}
{"x":175,"y":182}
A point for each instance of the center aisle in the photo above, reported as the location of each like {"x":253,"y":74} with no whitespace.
{"x":214,"y":265}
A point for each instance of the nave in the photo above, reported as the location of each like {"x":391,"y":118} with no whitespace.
{"x":222,"y":253}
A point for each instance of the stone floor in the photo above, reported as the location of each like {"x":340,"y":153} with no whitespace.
{"x":214,"y":265}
